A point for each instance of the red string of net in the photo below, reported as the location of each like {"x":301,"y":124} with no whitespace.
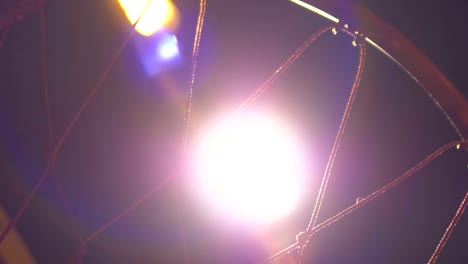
{"x":303,"y":237}
{"x":56,"y":148}
{"x":267,"y":84}
{"x":448,"y":232}
{"x":55,"y":176}
{"x":339,"y":136}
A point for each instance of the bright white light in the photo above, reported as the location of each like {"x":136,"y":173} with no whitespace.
{"x":251,"y":169}
{"x":157,"y":15}
{"x":168,"y":48}
{"x":316,"y":10}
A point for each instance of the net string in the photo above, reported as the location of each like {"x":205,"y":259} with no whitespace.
{"x":281,"y":69}
{"x":55,"y":176}
{"x":58,"y":185}
{"x":339,"y":135}
{"x":53,"y":153}
{"x":308,"y":234}
{"x":448,"y":232}
{"x":196,"y":47}
{"x":45,"y":80}
{"x":195,"y":51}
{"x":187,"y":118}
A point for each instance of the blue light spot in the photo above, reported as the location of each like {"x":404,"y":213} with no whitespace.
{"x":168,"y":48}
{"x":159,"y":52}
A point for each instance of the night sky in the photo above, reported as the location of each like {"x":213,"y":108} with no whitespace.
{"x":130,"y":136}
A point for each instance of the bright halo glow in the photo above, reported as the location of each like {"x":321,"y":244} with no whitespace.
{"x":158,"y":14}
{"x":168,"y":48}
{"x":251,"y":169}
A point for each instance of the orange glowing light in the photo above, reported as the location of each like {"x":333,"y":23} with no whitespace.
{"x":159,"y":14}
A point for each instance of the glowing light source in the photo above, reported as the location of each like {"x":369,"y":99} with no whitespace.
{"x":251,"y":169}
{"x":160,"y":13}
{"x":168,"y":48}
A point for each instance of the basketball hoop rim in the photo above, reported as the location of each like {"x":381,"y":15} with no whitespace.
{"x":394,"y":45}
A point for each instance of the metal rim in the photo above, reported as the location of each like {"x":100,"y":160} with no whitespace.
{"x":403,"y":52}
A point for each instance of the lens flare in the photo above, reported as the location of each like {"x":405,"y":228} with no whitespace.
{"x":251,"y":169}
{"x":168,"y":48}
{"x":159,"y":52}
{"x":159,"y":14}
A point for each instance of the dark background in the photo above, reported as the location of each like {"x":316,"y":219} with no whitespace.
{"x":129,"y":137}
